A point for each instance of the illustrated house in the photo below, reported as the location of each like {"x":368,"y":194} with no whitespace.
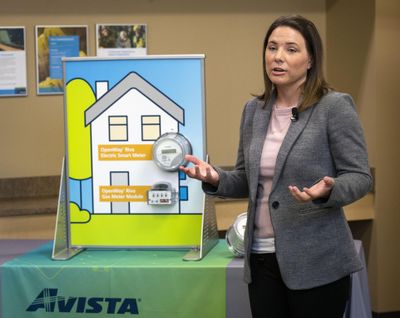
{"x":125,"y":121}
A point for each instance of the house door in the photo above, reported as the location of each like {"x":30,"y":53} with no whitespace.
{"x":119,"y":178}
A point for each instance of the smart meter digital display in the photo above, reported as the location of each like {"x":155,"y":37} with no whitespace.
{"x":169,"y":151}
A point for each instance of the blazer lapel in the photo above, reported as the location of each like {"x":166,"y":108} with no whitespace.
{"x":293,"y":133}
{"x":260,"y":125}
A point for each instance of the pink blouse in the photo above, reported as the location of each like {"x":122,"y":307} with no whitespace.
{"x":277,"y":129}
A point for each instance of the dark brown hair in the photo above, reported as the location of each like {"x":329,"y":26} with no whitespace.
{"x":315,"y":85}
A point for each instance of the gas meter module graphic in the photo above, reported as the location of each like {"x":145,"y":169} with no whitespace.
{"x":129,"y":125}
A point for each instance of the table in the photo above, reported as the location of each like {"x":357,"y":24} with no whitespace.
{"x":134,"y":283}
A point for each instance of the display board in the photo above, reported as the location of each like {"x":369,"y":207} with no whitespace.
{"x":115,"y":110}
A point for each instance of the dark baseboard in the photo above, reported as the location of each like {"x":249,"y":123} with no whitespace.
{"x":221,"y":234}
{"x":29,"y":195}
{"x":394,"y":314}
{"x":29,"y":187}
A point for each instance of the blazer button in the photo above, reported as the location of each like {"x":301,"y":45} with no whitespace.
{"x":275,"y":204}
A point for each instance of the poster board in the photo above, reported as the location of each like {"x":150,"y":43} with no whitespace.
{"x":121,"y":40}
{"x":13,"y":79}
{"x":53,"y":42}
{"x":114,"y":110}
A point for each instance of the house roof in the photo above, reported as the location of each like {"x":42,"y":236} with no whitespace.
{"x":134,"y":81}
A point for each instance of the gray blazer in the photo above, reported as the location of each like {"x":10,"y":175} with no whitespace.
{"x":314,"y":245}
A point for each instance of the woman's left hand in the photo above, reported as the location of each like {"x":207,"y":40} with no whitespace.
{"x":321,"y":189}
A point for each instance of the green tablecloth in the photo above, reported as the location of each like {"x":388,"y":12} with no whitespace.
{"x":115,"y":283}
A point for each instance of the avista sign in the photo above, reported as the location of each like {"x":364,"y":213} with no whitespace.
{"x":48,"y":300}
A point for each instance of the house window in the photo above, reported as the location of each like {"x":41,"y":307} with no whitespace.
{"x":183,"y":193}
{"x":118,"y":128}
{"x":151,"y":127}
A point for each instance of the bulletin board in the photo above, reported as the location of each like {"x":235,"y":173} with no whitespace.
{"x":115,"y":108}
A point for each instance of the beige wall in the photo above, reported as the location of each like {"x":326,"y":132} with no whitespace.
{"x":388,"y":150}
{"x":28,"y":227}
{"x":362,"y":42}
{"x":361,"y":59}
{"x":350,"y":58}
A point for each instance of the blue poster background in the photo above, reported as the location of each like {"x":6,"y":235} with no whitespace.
{"x":59,"y":47}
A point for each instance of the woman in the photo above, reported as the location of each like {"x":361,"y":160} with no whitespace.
{"x":301,"y":158}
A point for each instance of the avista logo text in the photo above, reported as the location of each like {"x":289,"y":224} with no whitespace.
{"x":49,"y":301}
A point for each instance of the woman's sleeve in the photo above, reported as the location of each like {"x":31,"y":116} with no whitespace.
{"x":349,"y":152}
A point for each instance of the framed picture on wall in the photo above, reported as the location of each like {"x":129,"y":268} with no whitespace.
{"x":121,"y":40}
{"x":12,"y":61}
{"x":53,"y":42}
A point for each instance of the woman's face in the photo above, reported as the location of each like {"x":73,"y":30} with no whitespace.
{"x":287,"y":59}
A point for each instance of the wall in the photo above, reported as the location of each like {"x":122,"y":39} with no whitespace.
{"x":362,"y":60}
{"x":387,"y":108}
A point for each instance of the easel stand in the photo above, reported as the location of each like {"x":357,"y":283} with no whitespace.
{"x":62,"y":249}
{"x":209,"y":232}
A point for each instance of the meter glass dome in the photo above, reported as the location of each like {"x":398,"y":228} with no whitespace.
{"x":169,"y":151}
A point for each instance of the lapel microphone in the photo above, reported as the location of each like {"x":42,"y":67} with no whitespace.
{"x":295,"y":114}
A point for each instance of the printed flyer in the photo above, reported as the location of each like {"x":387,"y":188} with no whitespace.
{"x":13,"y":80}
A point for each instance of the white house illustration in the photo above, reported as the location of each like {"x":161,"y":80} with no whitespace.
{"x":125,"y":121}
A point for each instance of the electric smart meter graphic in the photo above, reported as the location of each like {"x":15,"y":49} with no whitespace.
{"x":169,"y":151}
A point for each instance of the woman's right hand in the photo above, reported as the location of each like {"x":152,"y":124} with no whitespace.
{"x":201,"y":170}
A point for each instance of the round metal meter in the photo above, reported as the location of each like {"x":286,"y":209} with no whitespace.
{"x":235,"y":235}
{"x":169,"y":151}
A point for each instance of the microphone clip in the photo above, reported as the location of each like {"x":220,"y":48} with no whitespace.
{"x":295,"y":114}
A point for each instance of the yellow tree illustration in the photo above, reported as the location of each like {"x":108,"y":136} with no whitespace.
{"x":79,"y":97}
